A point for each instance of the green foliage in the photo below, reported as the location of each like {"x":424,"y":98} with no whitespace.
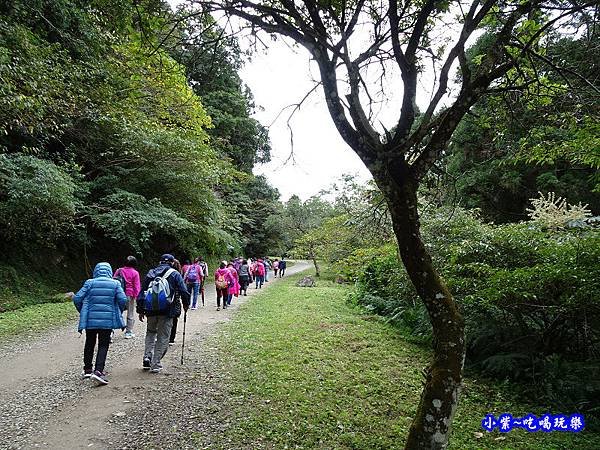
{"x":528,"y":295}
{"x":106,"y":143}
{"x":258,"y":208}
{"x":356,"y":218}
{"x":529,"y":299}
{"x":87,"y":90}
{"x":249,"y":222}
{"x":212,"y":60}
{"x":36,"y":318}
{"x":575,"y":140}
{"x":299,"y":218}
{"x":26,"y":282}
{"x":330,"y":241}
{"x":37,"y":200}
{"x":540,"y":137}
{"x":131,"y":219}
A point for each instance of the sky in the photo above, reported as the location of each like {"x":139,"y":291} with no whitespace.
{"x":281,"y":77}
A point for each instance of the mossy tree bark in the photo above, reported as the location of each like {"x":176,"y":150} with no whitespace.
{"x":431,"y":425}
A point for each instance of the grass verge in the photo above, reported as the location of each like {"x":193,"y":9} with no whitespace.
{"x":36,"y":318}
{"x":309,"y":371}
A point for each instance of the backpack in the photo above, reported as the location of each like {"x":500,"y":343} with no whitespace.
{"x":260,"y":269}
{"x":121,"y":279}
{"x":221,"y":282}
{"x":192,"y":273}
{"x":158,"y":296}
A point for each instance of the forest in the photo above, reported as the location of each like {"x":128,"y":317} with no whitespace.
{"x":113,"y":145}
{"x":126,"y":129}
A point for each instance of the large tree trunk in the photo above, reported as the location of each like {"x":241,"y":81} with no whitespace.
{"x":431,"y":425}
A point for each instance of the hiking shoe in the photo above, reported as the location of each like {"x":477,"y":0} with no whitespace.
{"x":156,"y":369}
{"x":218,"y":309}
{"x":99,"y":378}
{"x":87,"y":373}
{"x":129,"y":335}
{"x":146,"y":364}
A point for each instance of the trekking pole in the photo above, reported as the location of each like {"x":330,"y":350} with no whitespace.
{"x":183,"y":341}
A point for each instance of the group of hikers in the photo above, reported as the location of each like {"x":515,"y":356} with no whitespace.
{"x":158,"y":300}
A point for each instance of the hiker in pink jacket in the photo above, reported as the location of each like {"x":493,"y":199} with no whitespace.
{"x":223,"y":280}
{"x":234,"y":289}
{"x":129,"y":277}
{"x":259,"y":273}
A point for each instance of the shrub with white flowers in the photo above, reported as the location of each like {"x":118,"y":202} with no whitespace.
{"x":553,"y":212}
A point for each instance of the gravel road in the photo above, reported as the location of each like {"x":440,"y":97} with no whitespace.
{"x":46,"y":404}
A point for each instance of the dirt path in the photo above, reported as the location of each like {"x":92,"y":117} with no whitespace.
{"x":46,"y":404}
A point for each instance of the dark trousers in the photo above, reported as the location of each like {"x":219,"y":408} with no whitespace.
{"x":222,"y":293}
{"x":173,"y":330}
{"x":202,"y":291}
{"x":103,"y":337}
{"x":244,"y":282}
{"x":259,"y":280}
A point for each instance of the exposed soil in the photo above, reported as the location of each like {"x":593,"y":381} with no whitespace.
{"x":46,"y":403}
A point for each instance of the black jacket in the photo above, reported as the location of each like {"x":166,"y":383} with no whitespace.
{"x":177,"y":287}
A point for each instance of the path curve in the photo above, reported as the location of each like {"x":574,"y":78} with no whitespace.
{"x":46,"y":404}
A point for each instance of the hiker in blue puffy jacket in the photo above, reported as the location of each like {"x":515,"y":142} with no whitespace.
{"x":159,"y":304}
{"x":100,"y":303}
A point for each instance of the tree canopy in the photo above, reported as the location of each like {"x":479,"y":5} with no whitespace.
{"x":142,"y":144}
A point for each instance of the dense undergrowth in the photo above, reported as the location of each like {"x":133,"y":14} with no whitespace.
{"x":530,"y":299}
{"x":37,"y":280}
